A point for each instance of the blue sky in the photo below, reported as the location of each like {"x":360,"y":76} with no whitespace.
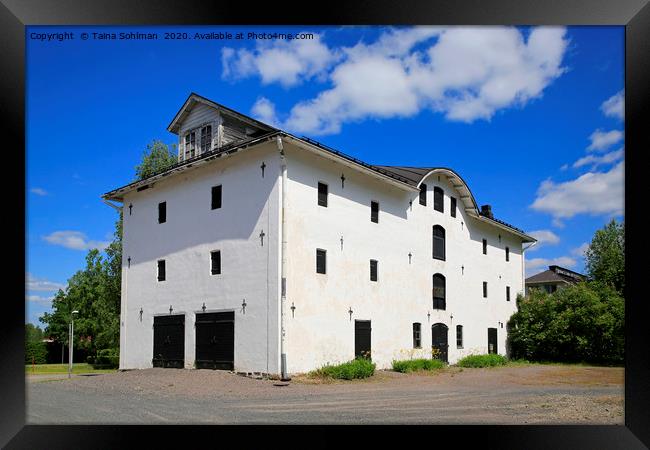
{"x":531,"y":118}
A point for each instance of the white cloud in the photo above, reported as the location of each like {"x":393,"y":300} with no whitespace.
{"x":75,"y":240}
{"x":594,"y":160}
{"x":580,"y":251}
{"x":544,"y":237}
{"x":278,"y":61}
{"x":536,"y":265}
{"x":45,"y":301}
{"x":602,"y":140}
{"x":614,"y":106}
{"x":594,"y":193}
{"x":264,"y":111}
{"x":33,"y":283}
{"x":465,"y":73}
{"x":39,"y":191}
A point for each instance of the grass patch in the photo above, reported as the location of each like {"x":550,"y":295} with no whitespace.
{"x":358,"y":368}
{"x":416,"y":365}
{"x":40,"y":369}
{"x":490,"y":360}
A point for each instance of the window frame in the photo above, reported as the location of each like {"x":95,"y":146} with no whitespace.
{"x":162,"y":212}
{"x":442,"y":239}
{"x":507,"y":254}
{"x":190,"y":140}
{"x":213,"y":203}
{"x":417,"y":335}
{"x":320,"y":201}
{"x":485,"y":289}
{"x":205,"y":139}
{"x":485,"y":245}
{"x":374,"y":212}
{"x":423,"y":194}
{"x":323,"y":252}
{"x":452,"y":206}
{"x":212,"y":260}
{"x":437,"y":301}
{"x":459,"y":336}
{"x":507,"y":293}
{"x":438,"y":199}
{"x":164,"y":270}
{"x":376,"y":267}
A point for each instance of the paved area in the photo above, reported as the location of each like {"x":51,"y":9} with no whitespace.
{"x":507,"y":395}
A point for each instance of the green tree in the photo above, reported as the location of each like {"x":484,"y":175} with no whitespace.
{"x":33,"y":333}
{"x":605,"y":257}
{"x":155,"y":158}
{"x":582,"y":322}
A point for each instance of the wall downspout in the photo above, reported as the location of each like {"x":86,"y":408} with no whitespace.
{"x":283,"y":261}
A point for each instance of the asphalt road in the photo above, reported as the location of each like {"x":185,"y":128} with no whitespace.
{"x":474,"y":396}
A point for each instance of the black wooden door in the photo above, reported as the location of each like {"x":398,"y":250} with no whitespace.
{"x":169,"y":341}
{"x":362,"y":339}
{"x":215,"y":340}
{"x":439,"y":333}
{"x":492,"y":341}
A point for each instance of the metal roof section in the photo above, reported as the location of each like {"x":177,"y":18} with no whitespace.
{"x":556,"y":274}
{"x":194,"y":98}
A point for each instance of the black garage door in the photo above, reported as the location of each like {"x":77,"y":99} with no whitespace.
{"x":215,"y":340}
{"x":169,"y":341}
{"x":362,"y":339}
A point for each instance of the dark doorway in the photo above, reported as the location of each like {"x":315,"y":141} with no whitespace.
{"x":439,"y":340}
{"x":362,"y":339}
{"x":492,"y":341}
{"x":215,"y":340}
{"x":169,"y":341}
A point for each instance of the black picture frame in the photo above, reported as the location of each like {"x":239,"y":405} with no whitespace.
{"x":633,"y":14}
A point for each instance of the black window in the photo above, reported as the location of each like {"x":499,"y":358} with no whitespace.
{"x":438,"y":199}
{"x":507,"y":253}
{"x":190,"y":144}
{"x":215,"y":262}
{"x":417,"y":335}
{"x":206,"y":138}
{"x":322,"y":194}
{"x":423,"y":194}
{"x":373,"y":270}
{"x":459,"y":336}
{"x":438,"y":242}
{"x":320,"y":261}
{"x":485,"y":289}
{"x":507,"y":293}
{"x":162,"y":212}
{"x":453,"y":206}
{"x":439,"y":294}
{"x":216,"y":197}
{"x":374,"y":212}
{"x":485,"y":246}
{"x":161,"y":270}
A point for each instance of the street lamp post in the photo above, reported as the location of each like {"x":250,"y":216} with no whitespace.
{"x":70,"y":340}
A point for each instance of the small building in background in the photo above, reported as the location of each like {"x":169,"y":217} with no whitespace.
{"x":554,"y":278}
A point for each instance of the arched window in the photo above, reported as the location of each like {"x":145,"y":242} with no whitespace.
{"x":439,"y":294}
{"x":438,"y":242}
{"x":438,"y":199}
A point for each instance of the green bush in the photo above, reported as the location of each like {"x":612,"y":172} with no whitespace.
{"x":413,"y":365}
{"x":583,"y":322}
{"x":358,"y":368}
{"x":489,"y":360}
{"x":108,"y":358}
{"x":36,"y":350}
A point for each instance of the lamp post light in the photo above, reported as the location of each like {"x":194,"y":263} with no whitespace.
{"x":71,"y":344}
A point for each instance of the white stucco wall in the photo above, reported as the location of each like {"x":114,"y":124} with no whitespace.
{"x":321,"y":331}
{"x":249,"y":270}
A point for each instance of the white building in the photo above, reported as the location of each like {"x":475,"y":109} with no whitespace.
{"x":264,"y":252}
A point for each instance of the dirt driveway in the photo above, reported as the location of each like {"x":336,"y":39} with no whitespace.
{"x":540,"y":394}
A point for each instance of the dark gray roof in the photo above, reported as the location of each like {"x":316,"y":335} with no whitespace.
{"x":556,"y":274}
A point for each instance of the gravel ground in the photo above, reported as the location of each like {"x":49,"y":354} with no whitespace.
{"x":534,"y":394}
